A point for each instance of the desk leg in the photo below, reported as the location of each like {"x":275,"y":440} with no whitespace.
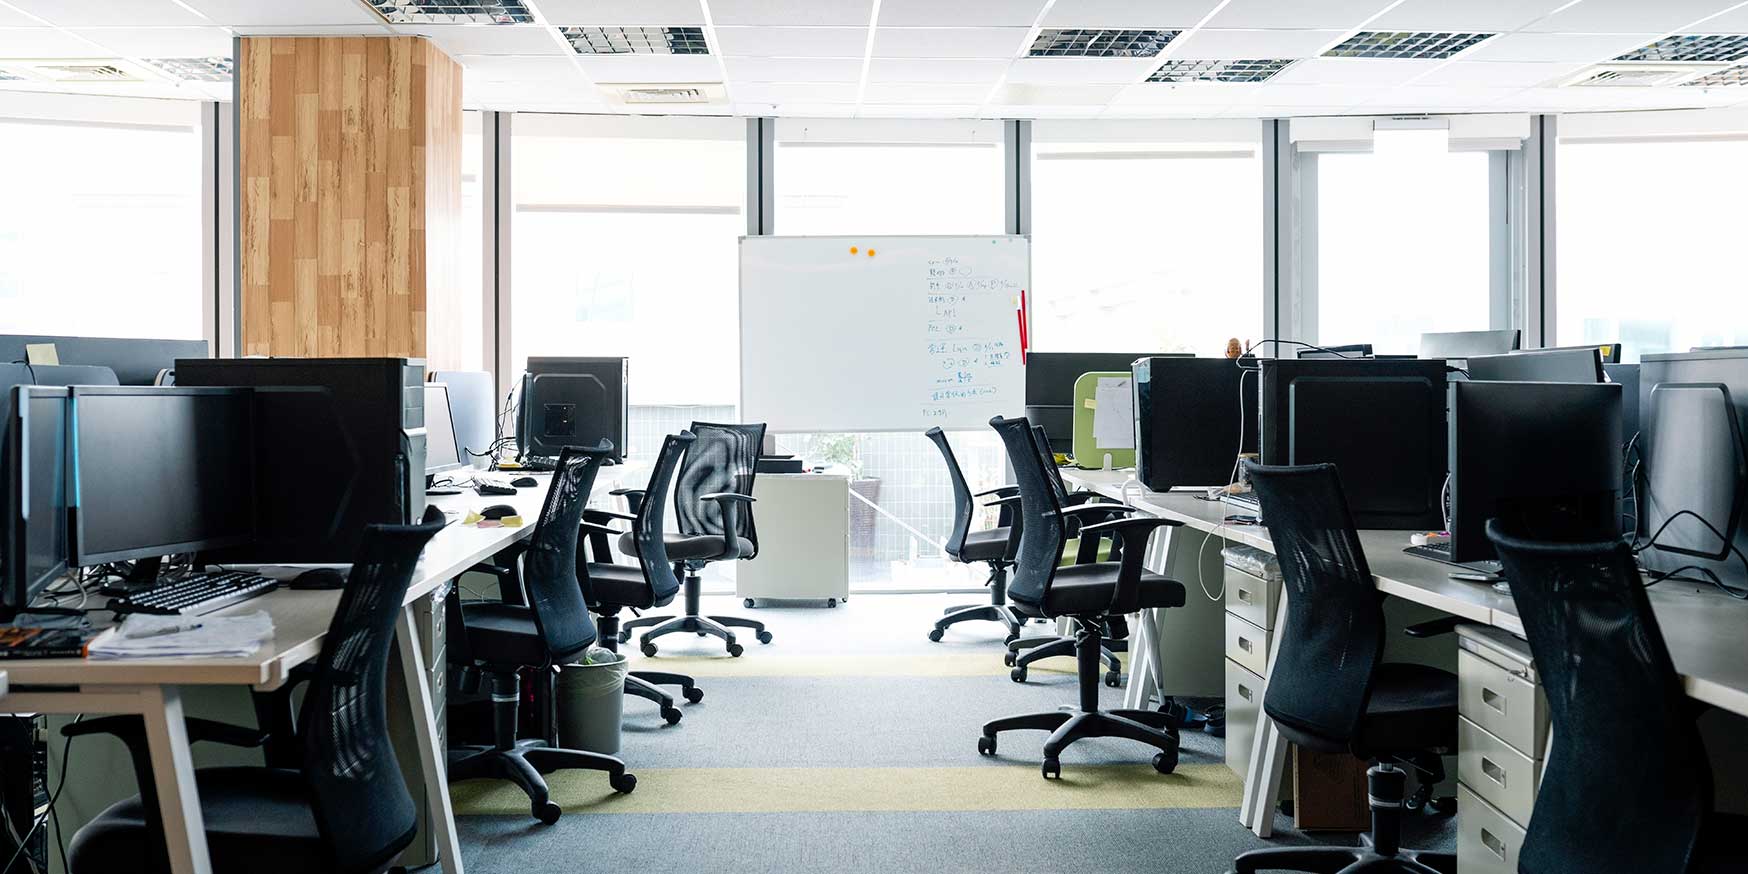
{"x":431,"y":758}
{"x":173,"y":772}
{"x":1268,"y":755}
{"x":1141,"y":678}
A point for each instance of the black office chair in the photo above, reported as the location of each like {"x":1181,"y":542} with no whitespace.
{"x":609,"y":588}
{"x":345,"y":806}
{"x":713,"y":507}
{"x":1328,"y":692}
{"x":493,"y":640}
{"x":1626,"y":786}
{"x":1090,"y":592}
{"x":966,"y":546}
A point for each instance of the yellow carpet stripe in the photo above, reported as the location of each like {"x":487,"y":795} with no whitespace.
{"x":795,"y":790}
{"x":757,"y":664}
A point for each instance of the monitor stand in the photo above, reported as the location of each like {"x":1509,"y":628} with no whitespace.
{"x":144,"y":575}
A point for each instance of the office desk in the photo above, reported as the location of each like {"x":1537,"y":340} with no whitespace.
{"x":150,"y":687}
{"x":1703,"y":628}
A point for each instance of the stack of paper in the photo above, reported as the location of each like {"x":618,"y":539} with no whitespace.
{"x":142,"y":636}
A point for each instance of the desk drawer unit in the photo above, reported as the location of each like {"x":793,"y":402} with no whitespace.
{"x":1243,"y":709}
{"x":1504,"y":701}
{"x":1487,"y":841}
{"x":1490,"y":768}
{"x":1247,"y":645}
{"x":1252,"y":599}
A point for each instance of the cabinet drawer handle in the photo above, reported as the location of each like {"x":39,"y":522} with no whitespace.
{"x":1245,"y":596}
{"x":1493,"y":700}
{"x":1245,"y":644}
{"x":1493,"y":771}
{"x":1244,"y":691}
{"x":1493,"y":844}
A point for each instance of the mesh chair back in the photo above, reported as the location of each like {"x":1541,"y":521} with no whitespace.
{"x":723,"y":458}
{"x":1055,"y":473}
{"x":1626,"y":784}
{"x":652,"y":551}
{"x":962,"y":504}
{"x":1334,"y":634}
{"x":362,"y":807}
{"x":1040,"y":516}
{"x":549,"y":565}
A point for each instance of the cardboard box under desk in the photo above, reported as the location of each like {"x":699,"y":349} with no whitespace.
{"x":1329,"y":792}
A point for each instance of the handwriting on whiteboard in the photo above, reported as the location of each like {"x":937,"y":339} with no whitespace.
{"x":958,"y":302}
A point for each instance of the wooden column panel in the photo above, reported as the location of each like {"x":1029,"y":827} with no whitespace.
{"x":349,"y":179}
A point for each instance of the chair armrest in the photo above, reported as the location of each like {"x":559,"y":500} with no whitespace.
{"x":1433,"y":628}
{"x":1099,"y":508}
{"x":1075,"y":499}
{"x":1133,"y":533}
{"x":633,"y":497}
{"x":599,"y":542}
{"x":728,"y":496}
{"x":591,"y":514}
{"x":1008,"y":500}
{"x":998,"y":490}
{"x":730,"y":503}
{"x":1124,"y":527}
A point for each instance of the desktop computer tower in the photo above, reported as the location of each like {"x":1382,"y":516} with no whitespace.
{"x":340,"y":443}
{"x":1192,"y":419}
{"x":1692,"y":492}
{"x":572,"y":402}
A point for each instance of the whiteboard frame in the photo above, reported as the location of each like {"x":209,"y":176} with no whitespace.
{"x":740,"y":316}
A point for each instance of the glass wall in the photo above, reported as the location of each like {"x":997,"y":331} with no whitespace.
{"x":1647,"y":244}
{"x":101,"y":222}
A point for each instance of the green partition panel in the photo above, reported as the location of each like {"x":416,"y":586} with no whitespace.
{"x":1087,"y":453}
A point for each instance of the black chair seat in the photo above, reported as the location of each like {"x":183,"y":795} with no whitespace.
{"x":257,"y":820}
{"x":1412,"y":707}
{"x":504,"y":634}
{"x":1082,"y":589}
{"x":683,"y":547}
{"x":612,"y":585}
{"x":1720,"y":849}
{"x":988,"y":545}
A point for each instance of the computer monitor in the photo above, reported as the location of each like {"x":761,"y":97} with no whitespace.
{"x":442,"y":448}
{"x":1381,"y":422}
{"x":1582,"y":364}
{"x":1627,"y":377}
{"x":1050,"y":380}
{"x":1694,"y":447}
{"x":571,"y":402}
{"x":35,"y":480}
{"x":474,"y":411}
{"x":1325,"y":353}
{"x":1193,"y":416}
{"x":161,"y":471}
{"x":1467,"y":344}
{"x":1542,"y":457}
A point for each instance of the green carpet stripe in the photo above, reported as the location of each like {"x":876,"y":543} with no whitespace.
{"x":793,"y":790}
{"x":760,"y":664}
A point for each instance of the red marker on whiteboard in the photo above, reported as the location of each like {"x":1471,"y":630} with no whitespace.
{"x":1020,"y":316}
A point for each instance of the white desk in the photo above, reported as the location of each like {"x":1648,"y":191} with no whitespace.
{"x":1703,"y":628}
{"x":150,"y":687}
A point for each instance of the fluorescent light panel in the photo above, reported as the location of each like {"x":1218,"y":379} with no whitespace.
{"x":453,"y":11}
{"x":1407,"y":45}
{"x":1219,"y":71}
{"x":1057,"y":42}
{"x":636,"y":40}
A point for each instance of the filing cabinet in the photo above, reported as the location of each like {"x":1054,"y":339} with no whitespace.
{"x":1253,"y":590}
{"x":1502,"y":737}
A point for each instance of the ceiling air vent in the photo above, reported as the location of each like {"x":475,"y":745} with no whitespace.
{"x":1722,"y":78}
{"x":1055,"y":42}
{"x":668,"y":93}
{"x":80,"y":71}
{"x":1218,"y":71}
{"x":195,"y":69}
{"x":1400,"y":45}
{"x":636,"y":40}
{"x":1640,"y":75}
{"x":1715,"y":48}
{"x":453,"y":11}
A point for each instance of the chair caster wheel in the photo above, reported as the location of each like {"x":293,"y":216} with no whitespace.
{"x":749,"y":603}
{"x":831,"y":602}
{"x":624,"y":637}
{"x":700,"y":633}
{"x":763,"y":636}
{"x":1165,"y":763}
{"x":694,"y":695}
{"x":1010,"y":658}
{"x":935,"y":635}
{"x":672,"y":715}
{"x":547,"y":812}
{"x":1052,"y":769}
{"x":1009,"y":640}
{"x":735,"y":649}
{"x":623,"y":783}
{"x":986,"y":745}
{"x":1113,"y":679}
{"x":1441,"y":806}
{"x":649,"y":649}
{"x":1018,"y":674}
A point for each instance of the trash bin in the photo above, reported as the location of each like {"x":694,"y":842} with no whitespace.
{"x":591,"y":702}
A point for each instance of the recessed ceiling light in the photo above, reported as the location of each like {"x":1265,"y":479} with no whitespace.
{"x":1218,"y":71}
{"x":195,"y":69}
{"x":1072,"y":43}
{"x":636,"y":40}
{"x":453,"y":11}
{"x":1405,"y":45}
{"x":1722,"y":78}
{"x":1713,"y":47}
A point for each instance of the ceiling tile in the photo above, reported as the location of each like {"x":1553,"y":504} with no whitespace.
{"x":314,"y":30}
{"x":960,"y":13}
{"x":1498,"y":74}
{"x":1174,"y":14}
{"x":768,"y":92}
{"x":1252,"y":44}
{"x":487,"y":39}
{"x":1052,"y":71}
{"x":1325,"y":14}
{"x":1056,"y":95}
{"x":1192,"y":93}
{"x":793,"y":42}
{"x":624,"y":12}
{"x":795,"y":13}
{"x":985,"y":71}
{"x":13,"y":18}
{"x":922,"y":94}
{"x":115,"y":13}
{"x":1629,"y":16}
{"x":652,"y":68}
{"x":796,"y":109}
{"x":949,"y":42}
{"x":911,"y":110}
{"x":1729,"y":22}
{"x":1353,"y":72}
{"x":234,"y":13}
{"x":1557,"y":46}
{"x":794,"y":69}
{"x":511,"y":69}
{"x":44,"y":42}
{"x":1466,"y":16}
{"x":162,"y":42}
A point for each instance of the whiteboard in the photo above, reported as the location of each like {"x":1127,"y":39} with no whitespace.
{"x":881,"y":333}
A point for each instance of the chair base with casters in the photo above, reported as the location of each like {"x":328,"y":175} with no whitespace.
{"x":694,"y":620}
{"x":1067,"y":726}
{"x":647,"y":684}
{"x":1037,"y":648}
{"x":997,"y":610}
{"x":1380,"y":851}
{"x":526,"y":762}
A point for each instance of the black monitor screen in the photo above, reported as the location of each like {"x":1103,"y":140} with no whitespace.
{"x":36,"y":494}
{"x":161,"y":471}
{"x":1699,"y":472}
{"x":1539,"y":365}
{"x":442,"y":448}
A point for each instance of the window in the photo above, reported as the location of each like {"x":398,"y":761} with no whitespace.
{"x":838,"y":177}
{"x":626,"y":242}
{"x":1403,"y":242}
{"x":101,"y":223}
{"x":456,"y":315}
{"x":1637,"y":266}
{"x":1145,"y":246}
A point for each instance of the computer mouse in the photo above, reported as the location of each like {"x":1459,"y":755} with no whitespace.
{"x":498,"y":511}
{"x":320,"y":578}
{"x":523,"y":482}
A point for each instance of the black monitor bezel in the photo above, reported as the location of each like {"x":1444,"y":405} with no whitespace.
{"x":19,"y":590}
{"x":1532,"y":354}
{"x":461,"y":462}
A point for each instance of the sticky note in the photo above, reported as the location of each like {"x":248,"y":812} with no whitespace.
{"x":852,"y":250}
{"x":1090,"y":403}
{"x":44,"y":353}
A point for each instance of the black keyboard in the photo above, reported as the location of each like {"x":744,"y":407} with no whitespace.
{"x":194,"y":594}
{"x":1441,"y":552}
